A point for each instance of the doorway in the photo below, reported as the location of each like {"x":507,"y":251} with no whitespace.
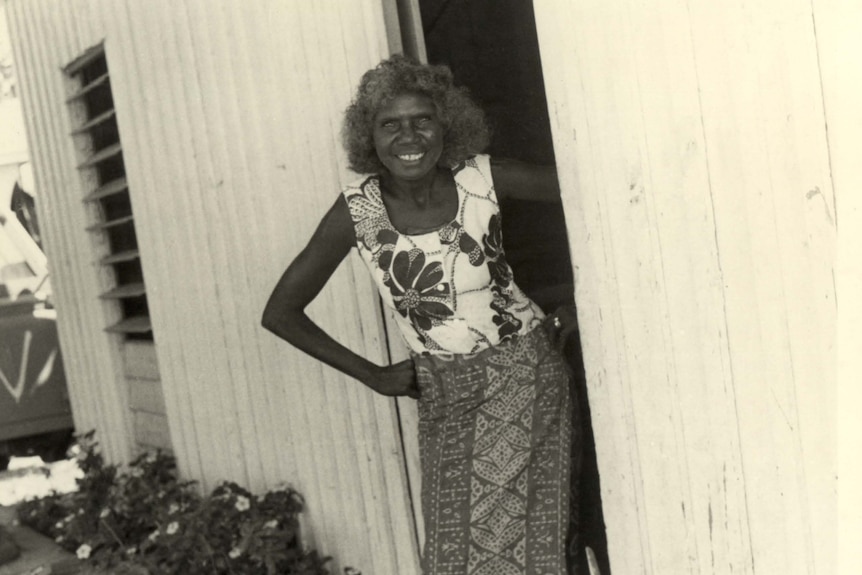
{"x":492,"y":48}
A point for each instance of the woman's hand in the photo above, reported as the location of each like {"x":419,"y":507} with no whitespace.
{"x":560,"y":325}
{"x":395,"y":380}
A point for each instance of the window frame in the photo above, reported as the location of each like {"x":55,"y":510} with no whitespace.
{"x":96,"y":136}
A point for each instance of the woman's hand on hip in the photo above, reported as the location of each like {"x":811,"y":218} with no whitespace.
{"x":396,"y":380}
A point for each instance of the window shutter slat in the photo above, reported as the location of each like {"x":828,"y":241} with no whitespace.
{"x":98,"y":120}
{"x":87,"y":88}
{"x":109,"y":189}
{"x":140,"y":324}
{"x":125,"y":256}
{"x":125,"y":291}
{"x":101,"y":156}
{"x":110,"y":223}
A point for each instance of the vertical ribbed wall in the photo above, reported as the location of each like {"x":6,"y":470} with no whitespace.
{"x":94,"y":374}
{"x":692,"y":146}
{"x":229,"y":116}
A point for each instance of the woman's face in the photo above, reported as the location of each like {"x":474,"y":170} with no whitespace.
{"x":408,"y":136}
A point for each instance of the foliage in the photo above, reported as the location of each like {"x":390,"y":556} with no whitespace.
{"x":142,"y":519}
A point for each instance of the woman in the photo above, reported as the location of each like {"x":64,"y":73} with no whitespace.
{"x":494,"y":403}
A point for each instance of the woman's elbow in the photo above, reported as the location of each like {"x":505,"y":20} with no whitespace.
{"x":275,"y":317}
{"x":269,"y":320}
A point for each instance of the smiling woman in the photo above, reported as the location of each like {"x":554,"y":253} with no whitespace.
{"x":408,"y":136}
{"x":495,"y":411}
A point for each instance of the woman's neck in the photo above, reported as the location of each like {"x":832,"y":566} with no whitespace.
{"x":419,"y":191}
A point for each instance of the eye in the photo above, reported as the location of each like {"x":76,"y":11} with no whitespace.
{"x":389,"y":125}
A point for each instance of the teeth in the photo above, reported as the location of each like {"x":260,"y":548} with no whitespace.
{"x":411,"y":157}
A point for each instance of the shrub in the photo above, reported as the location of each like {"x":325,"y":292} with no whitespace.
{"x":143,"y":519}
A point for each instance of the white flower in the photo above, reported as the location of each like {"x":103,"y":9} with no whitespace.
{"x":83,"y":551}
{"x":154,"y":535}
{"x":173,"y":508}
{"x":273,"y":524}
{"x":131,"y":550}
{"x":80,"y":512}
{"x":173,"y":526}
{"x":242,"y":503}
{"x":234,"y":553}
{"x":59,"y":524}
{"x":59,"y":539}
{"x":105,"y":512}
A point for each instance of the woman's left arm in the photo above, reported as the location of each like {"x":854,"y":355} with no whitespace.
{"x":521,"y":181}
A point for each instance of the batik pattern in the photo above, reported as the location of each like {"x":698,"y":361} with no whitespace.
{"x":494,"y":433}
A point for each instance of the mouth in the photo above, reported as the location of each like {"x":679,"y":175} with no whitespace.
{"x":410,"y":157}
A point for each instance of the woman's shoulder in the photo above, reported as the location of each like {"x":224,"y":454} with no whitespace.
{"x":362,"y":184}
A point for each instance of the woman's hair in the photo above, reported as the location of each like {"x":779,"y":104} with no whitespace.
{"x":465,"y":130}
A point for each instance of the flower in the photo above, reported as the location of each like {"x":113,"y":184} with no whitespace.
{"x":501,"y":273}
{"x":234,"y":553}
{"x":506,"y":323}
{"x":59,"y":524}
{"x":272,"y":524}
{"x":83,"y":551}
{"x":469,"y":246}
{"x":369,"y":213}
{"x":131,"y":550}
{"x":417,"y":289}
{"x":105,"y":512}
{"x":173,"y":508}
{"x":59,"y":539}
{"x":173,"y":526}
{"x":154,"y":535}
{"x":242,"y":503}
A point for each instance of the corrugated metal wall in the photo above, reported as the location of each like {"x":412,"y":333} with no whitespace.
{"x":692,"y":145}
{"x":91,"y":359}
{"x":228,"y":113}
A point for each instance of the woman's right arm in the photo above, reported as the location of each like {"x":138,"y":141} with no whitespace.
{"x":285,"y":315}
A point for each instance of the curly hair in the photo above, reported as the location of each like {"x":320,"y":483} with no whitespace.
{"x":465,"y":131}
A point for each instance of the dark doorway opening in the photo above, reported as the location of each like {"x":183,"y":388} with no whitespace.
{"x":492,"y":48}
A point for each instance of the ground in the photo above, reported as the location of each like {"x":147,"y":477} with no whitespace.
{"x":26,"y":478}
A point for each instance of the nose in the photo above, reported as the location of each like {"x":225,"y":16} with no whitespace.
{"x":407,"y":133}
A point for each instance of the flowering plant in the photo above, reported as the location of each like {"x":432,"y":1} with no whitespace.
{"x":142,"y":519}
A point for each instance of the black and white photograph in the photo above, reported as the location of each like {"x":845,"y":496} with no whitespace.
{"x":430,"y":287}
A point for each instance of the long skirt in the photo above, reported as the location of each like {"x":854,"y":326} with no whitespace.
{"x":494,"y":441}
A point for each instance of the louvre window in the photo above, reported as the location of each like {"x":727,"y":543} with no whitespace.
{"x":104,"y":171}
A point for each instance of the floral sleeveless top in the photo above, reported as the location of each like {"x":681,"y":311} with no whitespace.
{"x":452,"y":288}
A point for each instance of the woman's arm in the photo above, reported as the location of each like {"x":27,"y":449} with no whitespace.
{"x":521,"y":181}
{"x":285,"y":315}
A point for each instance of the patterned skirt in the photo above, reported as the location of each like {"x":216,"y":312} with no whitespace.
{"x":494,"y":439}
